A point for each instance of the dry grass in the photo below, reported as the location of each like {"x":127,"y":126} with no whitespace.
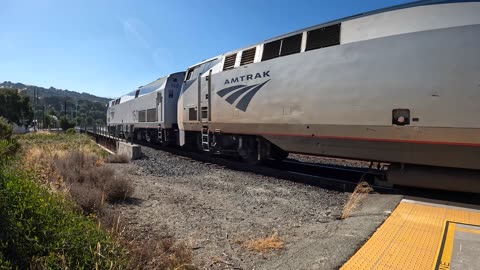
{"x":273,"y":242}
{"x":359,"y":194}
{"x":161,"y":253}
{"x":91,"y":184}
{"x":73,"y":165}
{"x":117,"y":159}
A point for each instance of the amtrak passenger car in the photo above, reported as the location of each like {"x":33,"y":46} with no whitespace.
{"x":399,"y":85}
{"x":148,"y":113}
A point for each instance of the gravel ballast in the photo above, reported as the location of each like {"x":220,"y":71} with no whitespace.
{"x":217,"y":210}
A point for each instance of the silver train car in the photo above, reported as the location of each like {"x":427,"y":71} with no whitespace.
{"x":399,"y":85}
{"x":149,"y":113}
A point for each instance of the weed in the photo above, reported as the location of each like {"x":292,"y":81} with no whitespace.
{"x":87,"y":197}
{"x":273,"y":242}
{"x":358,"y":195}
{"x":90,"y":185}
{"x":118,"y":189}
{"x":117,"y":159}
{"x":161,"y":252}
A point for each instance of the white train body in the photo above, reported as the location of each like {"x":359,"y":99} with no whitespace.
{"x":149,"y":110}
{"x":399,"y":85}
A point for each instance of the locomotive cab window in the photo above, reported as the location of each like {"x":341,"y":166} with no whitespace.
{"x":189,"y":74}
{"x":323,"y":37}
{"x":291,"y":45}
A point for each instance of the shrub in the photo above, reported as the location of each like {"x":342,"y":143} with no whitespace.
{"x":8,"y":148}
{"x":66,"y":123}
{"x":162,"y":252}
{"x":89,"y":184}
{"x":88,"y":197}
{"x":71,"y":131}
{"x":43,"y":231}
{"x":118,"y":189}
{"x":5,"y":129}
{"x":117,"y":159}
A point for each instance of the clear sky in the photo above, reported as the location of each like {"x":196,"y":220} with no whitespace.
{"x":110,"y":47}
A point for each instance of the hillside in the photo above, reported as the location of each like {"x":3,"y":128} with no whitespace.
{"x":81,"y":108}
{"x":52,"y":92}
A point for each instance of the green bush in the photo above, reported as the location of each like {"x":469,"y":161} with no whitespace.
{"x":41,"y":230}
{"x":5,"y":129}
{"x":66,"y":123}
{"x":8,"y":148}
{"x":71,"y":131}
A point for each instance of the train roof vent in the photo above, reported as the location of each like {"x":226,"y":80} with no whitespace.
{"x":248,"y":56}
{"x":229,"y":61}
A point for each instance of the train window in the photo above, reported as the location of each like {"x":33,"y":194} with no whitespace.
{"x":291,"y":45}
{"x":137,"y":93}
{"x":271,"y":50}
{"x":189,"y":74}
{"x":229,"y":61}
{"x":192,"y":114}
{"x":142,"y":116}
{"x":248,"y":56}
{"x":323,"y":37}
{"x":204,"y":112}
{"x":401,"y":117}
{"x":117,"y":101}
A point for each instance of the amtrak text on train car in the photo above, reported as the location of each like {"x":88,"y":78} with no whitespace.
{"x":248,"y":77}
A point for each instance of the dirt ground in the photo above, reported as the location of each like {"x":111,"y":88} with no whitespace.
{"x":217,"y":211}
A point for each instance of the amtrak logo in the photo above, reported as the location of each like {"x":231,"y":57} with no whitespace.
{"x":236,"y":91}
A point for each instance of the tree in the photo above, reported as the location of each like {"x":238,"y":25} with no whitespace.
{"x":48,"y":121}
{"x":15,"y":107}
{"x":66,"y":123}
{"x":5,"y":129}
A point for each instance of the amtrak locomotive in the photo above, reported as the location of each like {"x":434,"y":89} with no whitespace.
{"x":398,"y":85}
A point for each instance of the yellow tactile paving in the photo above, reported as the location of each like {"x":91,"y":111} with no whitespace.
{"x":410,"y":238}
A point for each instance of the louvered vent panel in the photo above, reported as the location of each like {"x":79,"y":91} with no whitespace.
{"x":248,"y":56}
{"x":229,"y":61}
{"x":151,"y":115}
{"x":142,"y":116}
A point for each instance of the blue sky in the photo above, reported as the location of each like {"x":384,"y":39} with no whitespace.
{"x":108,"y":47}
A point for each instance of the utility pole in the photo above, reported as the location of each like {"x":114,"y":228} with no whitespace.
{"x":43,"y":119}
{"x":65,"y":107}
{"x":76,"y":112}
{"x":34,"y":109}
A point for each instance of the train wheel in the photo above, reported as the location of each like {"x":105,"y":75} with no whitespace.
{"x":249,"y":152}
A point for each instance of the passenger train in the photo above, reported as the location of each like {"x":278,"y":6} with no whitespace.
{"x":398,"y":85}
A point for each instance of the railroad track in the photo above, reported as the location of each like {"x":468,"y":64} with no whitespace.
{"x":332,"y":177}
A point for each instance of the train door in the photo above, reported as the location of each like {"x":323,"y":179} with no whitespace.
{"x":204,"y":113}
{"x":204,"y":98}
{"x":160,"y":107}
